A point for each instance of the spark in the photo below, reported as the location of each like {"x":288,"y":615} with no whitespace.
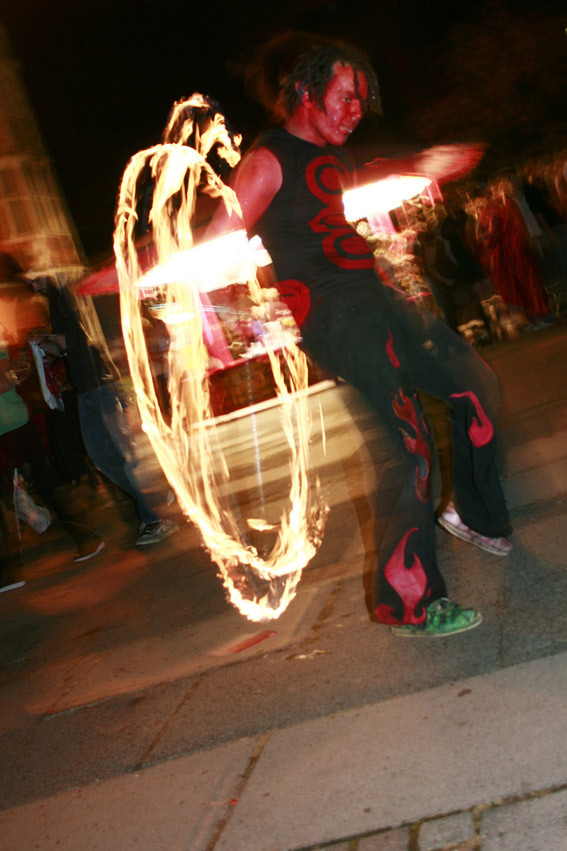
{"x":261,"y":584}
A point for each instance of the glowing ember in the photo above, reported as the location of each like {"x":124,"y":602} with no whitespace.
{"x":382,"y":195}
{"x":260,"y":584}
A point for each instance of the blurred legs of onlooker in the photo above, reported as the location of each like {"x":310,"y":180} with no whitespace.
{"x":65,"y":441}
{"x":108,"y":442}
{"x":23,"y":446}
{"x":10,"y":555}
{"x":106,"y":435}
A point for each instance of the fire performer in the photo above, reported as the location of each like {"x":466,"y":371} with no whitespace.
{"x":290,"y":188}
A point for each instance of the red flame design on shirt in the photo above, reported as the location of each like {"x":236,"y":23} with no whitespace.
{"x":326,"y":178}
{"x":481,"y":430}
{"x":409,"y":582}
{"x":405,"y":409}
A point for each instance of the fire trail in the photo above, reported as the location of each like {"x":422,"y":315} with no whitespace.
{"x":260,"y":584}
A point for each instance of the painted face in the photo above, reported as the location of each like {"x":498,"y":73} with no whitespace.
{"x":344,"y":104}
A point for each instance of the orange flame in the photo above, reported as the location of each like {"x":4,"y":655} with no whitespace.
{"x":188,"y":448}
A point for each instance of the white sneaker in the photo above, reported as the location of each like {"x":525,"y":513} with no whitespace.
{"x":11,"y":586}
{"x":153,"y":533}
{"x":452,"y":523}
{"x":89,"y":548}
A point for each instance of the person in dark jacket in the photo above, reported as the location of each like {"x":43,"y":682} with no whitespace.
{"x":105,"y":432}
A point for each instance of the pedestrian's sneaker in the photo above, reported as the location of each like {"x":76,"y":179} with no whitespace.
{"x":11,"y":586}
{"x":443,"y":618}
{"x":153,"y":533}
{"x":451,"y":522}
{"x":88,"y":548}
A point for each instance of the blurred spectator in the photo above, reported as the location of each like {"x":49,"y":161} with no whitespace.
{"x":25,"y":314}
{"x":157,"y":344}
{"x":509,"y":257}
{"x":453,"y":270}
{"x":106,"y":435}
{"x":63,"y":427}
{"x":545,"y":205}
{"x":20,"y":444}
{"x":20,"y":309}
{"x":436,"y":265}
{"x":556,"y":175}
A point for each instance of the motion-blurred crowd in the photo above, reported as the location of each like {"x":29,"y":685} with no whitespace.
{"x":491,"y":259}
{"x":62,"y":422}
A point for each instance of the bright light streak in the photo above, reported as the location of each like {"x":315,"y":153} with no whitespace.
{"x":188,"y":448}
{"x":382,"y":195}
{"x":228,"y":259}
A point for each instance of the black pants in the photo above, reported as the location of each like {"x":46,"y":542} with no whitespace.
{"x":388,"y":350}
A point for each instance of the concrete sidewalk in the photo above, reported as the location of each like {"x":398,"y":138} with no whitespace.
{"x":481,"y":763}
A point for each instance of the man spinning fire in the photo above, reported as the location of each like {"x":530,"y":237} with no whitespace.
{"x":290,"y":187}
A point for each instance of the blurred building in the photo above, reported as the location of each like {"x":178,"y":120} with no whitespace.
{"x":35,"y":225}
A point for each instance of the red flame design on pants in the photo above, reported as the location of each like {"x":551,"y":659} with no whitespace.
{"x":410,"y":583}
{"x":390,"y":350}
{"x":405,"y":409}
{"x":481,"y":430}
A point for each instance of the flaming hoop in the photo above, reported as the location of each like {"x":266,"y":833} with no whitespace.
{"x":188,"y":449}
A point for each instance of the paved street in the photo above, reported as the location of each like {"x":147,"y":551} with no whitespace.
{"x":140,"y":710}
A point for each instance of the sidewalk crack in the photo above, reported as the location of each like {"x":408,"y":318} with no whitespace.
{"x":244,"y":777}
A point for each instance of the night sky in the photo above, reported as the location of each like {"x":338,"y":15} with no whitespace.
{"x":102,"y":76}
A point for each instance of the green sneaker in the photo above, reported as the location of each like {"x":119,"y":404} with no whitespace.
{"x":443,"y":618}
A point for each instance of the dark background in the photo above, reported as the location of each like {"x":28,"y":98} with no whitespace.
{"x":102,"y":77}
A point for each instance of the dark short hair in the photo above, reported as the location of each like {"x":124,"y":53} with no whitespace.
{"x":275,"y":72}
{"x":314,"y":70}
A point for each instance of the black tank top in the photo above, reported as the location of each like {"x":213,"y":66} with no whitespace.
{"x":318,"y":257}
